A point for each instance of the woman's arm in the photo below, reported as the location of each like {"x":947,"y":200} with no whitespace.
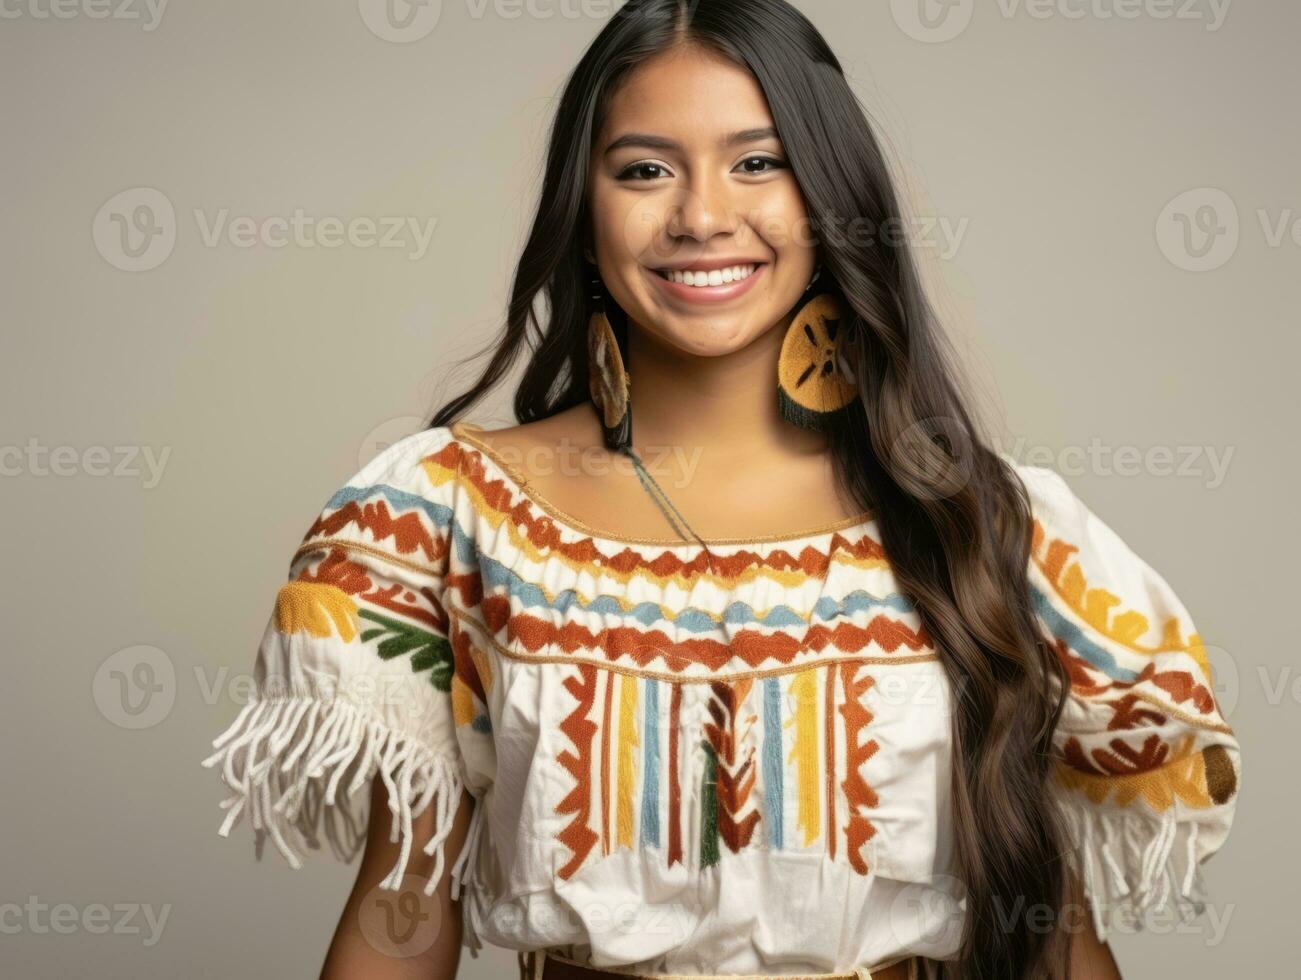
{"x":400,"y":935}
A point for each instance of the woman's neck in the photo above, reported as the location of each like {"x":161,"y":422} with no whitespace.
{"x":725,"y":405}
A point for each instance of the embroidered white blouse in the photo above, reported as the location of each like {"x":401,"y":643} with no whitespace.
{"x":686,"y":770}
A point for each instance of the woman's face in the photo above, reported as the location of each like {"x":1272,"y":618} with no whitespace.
{"x":699,"y":228}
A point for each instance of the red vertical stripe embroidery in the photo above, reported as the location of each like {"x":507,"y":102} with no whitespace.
{"x":675,"y":793}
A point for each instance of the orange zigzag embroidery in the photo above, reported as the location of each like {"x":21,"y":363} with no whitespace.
{"x":580,"y":730}
{"x":859,"y":794}
{"x":408,"y":531}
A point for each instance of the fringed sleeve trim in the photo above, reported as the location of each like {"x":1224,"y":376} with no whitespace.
{"x":465,"y":879}
{"x":286,"y":759}
{"x":1132,"y":864}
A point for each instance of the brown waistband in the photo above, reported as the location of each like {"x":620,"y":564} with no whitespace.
{"x":540,"y":965}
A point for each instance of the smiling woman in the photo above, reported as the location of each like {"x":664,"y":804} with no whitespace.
{"x":699,"y":230}
{"x":906,"y":708}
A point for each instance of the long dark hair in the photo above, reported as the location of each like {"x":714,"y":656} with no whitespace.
{"x":954,"y":518}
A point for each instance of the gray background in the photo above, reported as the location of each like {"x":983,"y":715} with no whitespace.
{"x":1066,"y":154}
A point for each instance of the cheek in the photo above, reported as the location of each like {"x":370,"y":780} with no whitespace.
{"x":600,"y":205}
{"x":786,"y":225}
{"x":623,"y":224}
{"x":786,"y":229}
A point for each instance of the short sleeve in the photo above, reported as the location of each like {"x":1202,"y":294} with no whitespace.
{"x":356,"y":673}
{"x":1147,"y":769}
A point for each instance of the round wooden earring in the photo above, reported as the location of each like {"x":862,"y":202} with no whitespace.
{"x":811,"y":377}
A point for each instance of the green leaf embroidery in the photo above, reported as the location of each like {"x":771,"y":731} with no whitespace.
{"x":709,"y":807}
{"x":429,"y":651}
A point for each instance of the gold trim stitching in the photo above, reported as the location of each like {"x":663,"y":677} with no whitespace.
{"x":320,"y":544}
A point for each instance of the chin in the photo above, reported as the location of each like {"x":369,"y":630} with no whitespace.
{"x":714,"y":337}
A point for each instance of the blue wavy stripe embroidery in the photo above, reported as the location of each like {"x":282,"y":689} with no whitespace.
{"x":502,"y":580}
{"x":401,"y":500}
{"x":1074,"y":637}
{"x":772,"y":758}
{"x":650,"y":798}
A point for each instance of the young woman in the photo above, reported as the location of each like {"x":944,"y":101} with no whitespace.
{"x":833,"y":688}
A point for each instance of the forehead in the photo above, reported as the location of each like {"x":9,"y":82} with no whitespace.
{"x":688,"y":93}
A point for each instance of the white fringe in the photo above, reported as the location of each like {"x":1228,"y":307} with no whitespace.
{"x":464,"y":878}
{"x":276,"y":757}
{"x":1130,"y":864}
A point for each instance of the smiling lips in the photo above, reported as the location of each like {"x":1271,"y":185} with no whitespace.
{"x":709,"y":282}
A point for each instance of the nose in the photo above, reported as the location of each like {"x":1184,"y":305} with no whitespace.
{"x":701,"y":210}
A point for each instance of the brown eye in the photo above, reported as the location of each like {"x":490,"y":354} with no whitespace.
{"x":765,"y":164}
{"x":639,"y":171}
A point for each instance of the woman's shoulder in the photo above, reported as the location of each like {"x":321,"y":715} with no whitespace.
{"x":426,"y":468}
{"x":576,"y":427}
{"x":1075,"y":548}
{"x":1052,"y":500}
{"x":411,"y":471}
{"x":1062,"y":521}
{"x":1120,"y":618}
{"x":407,"y":454}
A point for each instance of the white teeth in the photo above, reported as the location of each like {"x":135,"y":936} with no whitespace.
{"x":714,"y":277}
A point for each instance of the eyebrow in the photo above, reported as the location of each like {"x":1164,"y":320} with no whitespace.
{"x":650,"y":141}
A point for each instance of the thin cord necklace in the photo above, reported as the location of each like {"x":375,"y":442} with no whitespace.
{"x":670,"y":512}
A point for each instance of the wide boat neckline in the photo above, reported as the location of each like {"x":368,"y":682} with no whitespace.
{"x":465,"y":432}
